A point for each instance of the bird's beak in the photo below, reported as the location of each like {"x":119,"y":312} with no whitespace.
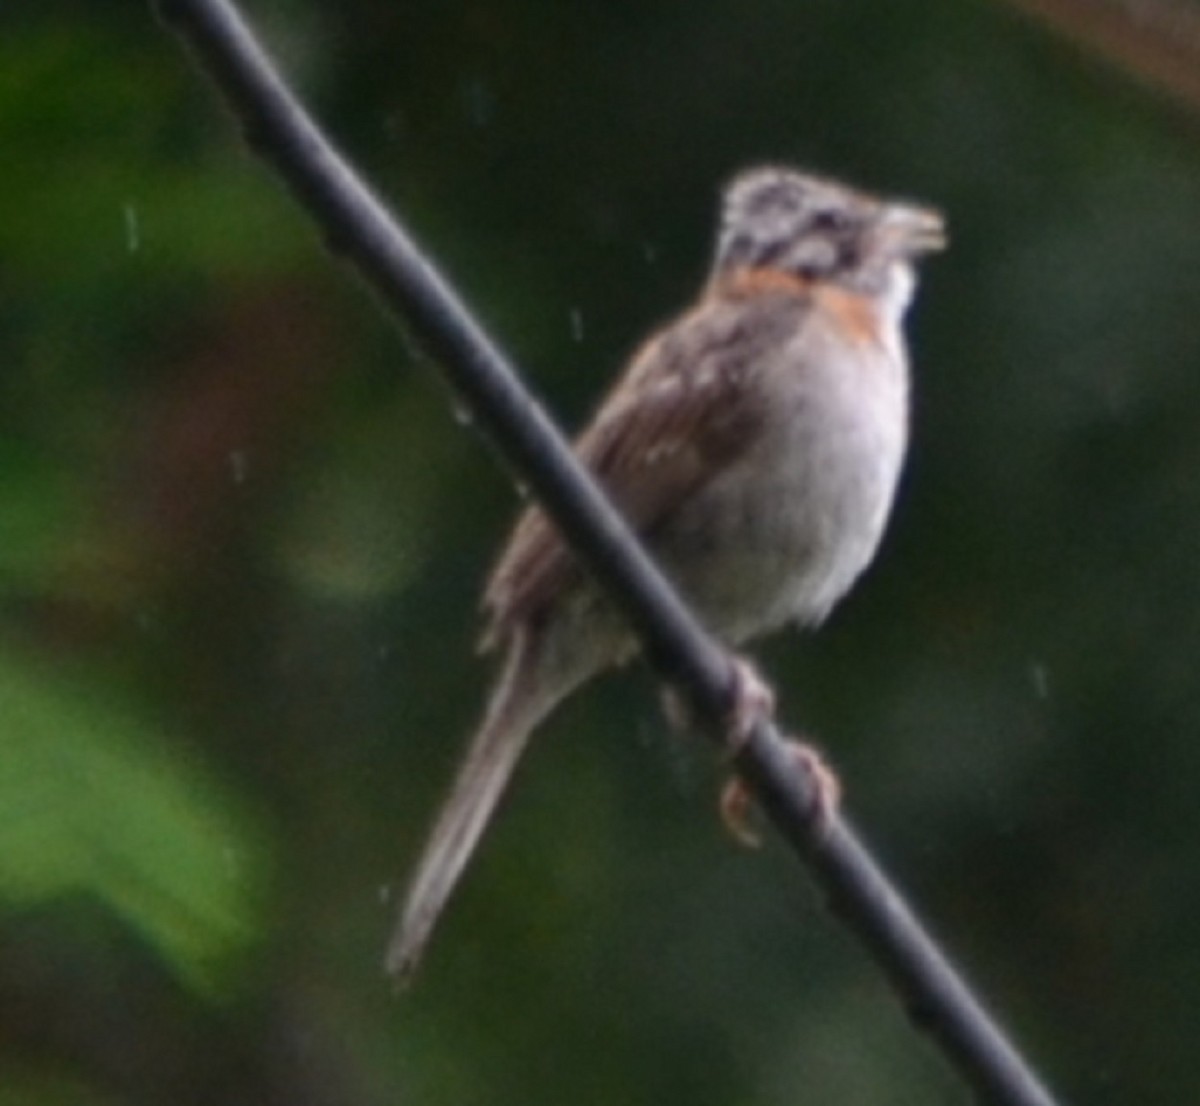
{"x":910,"y":231}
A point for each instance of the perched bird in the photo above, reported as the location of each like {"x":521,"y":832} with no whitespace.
{"x":754,"y":444}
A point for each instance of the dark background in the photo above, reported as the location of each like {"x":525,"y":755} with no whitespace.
{"x":241,"y":539}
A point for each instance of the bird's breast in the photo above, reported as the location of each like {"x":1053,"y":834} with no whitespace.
{"x":791,"y":525}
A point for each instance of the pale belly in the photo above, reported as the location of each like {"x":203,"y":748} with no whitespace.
{"x":785,"y":532}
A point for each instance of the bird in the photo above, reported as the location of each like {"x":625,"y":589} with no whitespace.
{"x":754,"y":445}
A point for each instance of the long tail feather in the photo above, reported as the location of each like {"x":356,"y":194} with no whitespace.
{"x":516,"y":706}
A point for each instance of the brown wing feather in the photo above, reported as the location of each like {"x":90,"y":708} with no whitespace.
{"x":684,"y":410}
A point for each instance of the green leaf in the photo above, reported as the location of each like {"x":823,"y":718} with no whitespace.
{"x":94,"y":800}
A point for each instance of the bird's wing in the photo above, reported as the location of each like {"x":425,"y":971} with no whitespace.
{"x":685,"y":409}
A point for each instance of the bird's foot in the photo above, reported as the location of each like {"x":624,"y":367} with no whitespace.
{"x":826,"y":790}
{"x":753,"y":702}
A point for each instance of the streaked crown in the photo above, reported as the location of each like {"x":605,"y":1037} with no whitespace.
{"x":817,"y":228}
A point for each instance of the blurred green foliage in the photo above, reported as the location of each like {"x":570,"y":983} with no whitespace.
{"x":97,"y":803}
{"x":241,"y":536}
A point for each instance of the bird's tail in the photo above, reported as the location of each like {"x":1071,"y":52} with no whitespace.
{"x":516,"y":706}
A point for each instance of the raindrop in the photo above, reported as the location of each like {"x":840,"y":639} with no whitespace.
{"x":133,"y":229}
{"x":479,"y":102}
{"x":463,"y":415}
{"x":239,"y":465}
{"x":385,"y":893}
{"x":650,"y":252}
{"x":576,"y":324}
{"x":1039,"y":676}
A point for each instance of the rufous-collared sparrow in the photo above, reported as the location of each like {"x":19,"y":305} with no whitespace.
{"x":754,"y":444}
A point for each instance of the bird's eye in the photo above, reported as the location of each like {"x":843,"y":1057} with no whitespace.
{"x":830,"y":219}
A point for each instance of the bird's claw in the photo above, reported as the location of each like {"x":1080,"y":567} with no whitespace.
{"x":826,"y":791}
{"x":753,"y":701}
